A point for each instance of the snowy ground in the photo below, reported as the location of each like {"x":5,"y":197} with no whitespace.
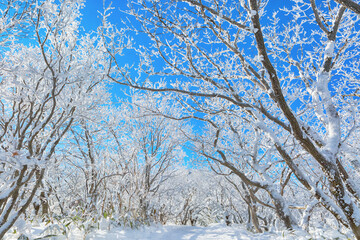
{"x":214,"y":232}
{"x":173,"y":232}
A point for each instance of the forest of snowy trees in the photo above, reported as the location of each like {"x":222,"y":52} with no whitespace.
{"x":232,"y":112}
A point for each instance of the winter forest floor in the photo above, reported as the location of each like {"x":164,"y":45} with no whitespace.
{"x":175,"y":232}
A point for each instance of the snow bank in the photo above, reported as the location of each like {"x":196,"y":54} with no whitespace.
{"x":176,"y":232}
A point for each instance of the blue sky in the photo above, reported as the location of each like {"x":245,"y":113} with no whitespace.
{"x":91,"y":17}
{"x":91,"y":20}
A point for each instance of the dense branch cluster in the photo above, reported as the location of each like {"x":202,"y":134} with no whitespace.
{"x":280,"y":101}
{"x":234,"y":112}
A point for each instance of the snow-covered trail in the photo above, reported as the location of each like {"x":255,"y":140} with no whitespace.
{"x":177,"y":232}
{"x":212,"y":232}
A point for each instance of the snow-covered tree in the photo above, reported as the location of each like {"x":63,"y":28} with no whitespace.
{"x":46,"y":85}
{"x":297,"y":83}
{"x":15,"y":16}
{"x":115,"y":164}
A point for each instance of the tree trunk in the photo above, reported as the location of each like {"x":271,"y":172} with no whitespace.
{"x":7,"y":220}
